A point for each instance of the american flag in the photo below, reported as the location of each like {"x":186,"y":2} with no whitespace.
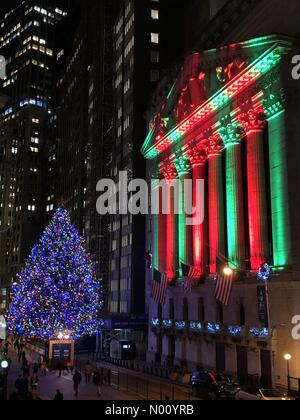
{"x":159,"y":288}
{"x":190,"y":275}
{"x":224,"y":288}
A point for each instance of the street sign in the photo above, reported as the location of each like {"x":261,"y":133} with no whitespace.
{"x":262,"y":306}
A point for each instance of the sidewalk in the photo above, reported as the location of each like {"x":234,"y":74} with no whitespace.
{"x":50,"y":383}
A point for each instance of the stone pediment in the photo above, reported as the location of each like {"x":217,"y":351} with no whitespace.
{"x":206,"y":83}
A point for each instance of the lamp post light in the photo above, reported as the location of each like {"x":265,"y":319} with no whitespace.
{"x":288,"y":358}
{"x":228,"y":271}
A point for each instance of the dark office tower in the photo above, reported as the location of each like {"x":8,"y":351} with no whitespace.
{"x":79,"y":145}
{"x":26,"y":42}
{"x":100,"y":18}
{"x":148,"y":34}
{"x":198,"y":16}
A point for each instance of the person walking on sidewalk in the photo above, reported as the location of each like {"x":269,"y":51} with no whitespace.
{"x":88,"y":370}
{"x":44,"y":369}
{"x":77,"y":378}
{"x":40,"y":362}
{"x":60,"y":368}
{"x":34,"y":382}
{"x":59,"y":396}
{"x":35,"y":369}
{"x":25,"y":368}
{"x":66,"y":367}
{"x":98,"y":381}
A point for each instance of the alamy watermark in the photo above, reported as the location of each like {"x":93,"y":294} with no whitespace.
{"x":296,"y":329}
{"x":296,"y":67}
{"x":178,"y":197}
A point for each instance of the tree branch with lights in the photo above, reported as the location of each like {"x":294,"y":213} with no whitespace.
{"x":58,"y":289}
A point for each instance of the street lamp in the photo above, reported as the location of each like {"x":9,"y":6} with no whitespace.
{"x":4,"y":364}
{"x":228,"y":271}
{"x":288,"y":358}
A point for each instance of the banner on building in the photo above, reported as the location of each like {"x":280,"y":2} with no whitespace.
{"x":262,"y":305}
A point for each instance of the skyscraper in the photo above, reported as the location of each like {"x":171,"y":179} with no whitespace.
{"x":80,"y":143}
{"x":148,"y":35}
{"x":26,"y":42}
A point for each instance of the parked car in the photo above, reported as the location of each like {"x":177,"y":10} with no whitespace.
{"x":213,"y":386}
{"x":262,"y":395}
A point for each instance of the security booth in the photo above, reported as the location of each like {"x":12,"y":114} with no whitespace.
{"x":61,"y":351}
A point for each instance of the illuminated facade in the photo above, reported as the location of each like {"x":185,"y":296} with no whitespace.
{"x":229,"y":118}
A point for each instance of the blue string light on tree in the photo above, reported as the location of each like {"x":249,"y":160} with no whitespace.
{"x":264,"y":273}
{"x":57,"y":290}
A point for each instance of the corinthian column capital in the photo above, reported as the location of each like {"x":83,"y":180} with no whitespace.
{"x":168,"y":171}
{"x":182,"y":164}
{"x":231,"y":132}
{"x":215,"y":145}
{"x":197,"y":155}
{"x":253,"y":120}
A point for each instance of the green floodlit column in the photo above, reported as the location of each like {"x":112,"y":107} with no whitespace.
{"x":235,"y":208}
{"x":231,"y":135}
{"x":183,"y":169}
{"x":155,"y":233}
{"x":281,"y":228}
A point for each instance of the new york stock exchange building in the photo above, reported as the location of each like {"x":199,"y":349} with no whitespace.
{"x":230,"y":117}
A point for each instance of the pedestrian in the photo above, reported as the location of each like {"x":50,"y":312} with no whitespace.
{"x":19,"y":384}
{"x":98,"y":381}
{"x":66,"y":367}
{"x":34,"y":381}
{"x":35,"y":368}
{"x":44,"y":369}
{"x":88,"y":370}
{"x":71,"y":368}
{"x":5,"y":349}
{"x":60,"y":368}
{"x":22,"y":386}
{"x":40,"y":362}
{"x":77,"y":378}
{"x":16,"y":344}
{"x":25,"y":368}
{"x":59,"y":396}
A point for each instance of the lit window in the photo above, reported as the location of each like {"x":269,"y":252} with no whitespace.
{"x":154,"y":14}
{"x":154,"y":38}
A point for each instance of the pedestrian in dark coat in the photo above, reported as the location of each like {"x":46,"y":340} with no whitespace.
{"x":35,"y":369}
{"x":77,"y":378}
{"x":59,"y":396}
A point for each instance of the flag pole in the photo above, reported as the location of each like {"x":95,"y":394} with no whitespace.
{"x":267,"y":291}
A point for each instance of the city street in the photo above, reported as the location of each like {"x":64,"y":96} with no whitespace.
{"x":49,"y":384}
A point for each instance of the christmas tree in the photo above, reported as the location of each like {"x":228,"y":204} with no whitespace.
{"x":57,"y":291}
